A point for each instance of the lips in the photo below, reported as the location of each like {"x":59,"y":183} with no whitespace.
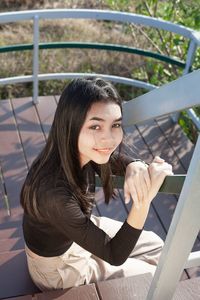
{"x":104,"y":150}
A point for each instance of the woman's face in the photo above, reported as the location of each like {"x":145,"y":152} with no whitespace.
{"x":101,"y":133}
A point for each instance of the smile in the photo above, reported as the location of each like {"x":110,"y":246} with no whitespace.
{"x":104,"y":150}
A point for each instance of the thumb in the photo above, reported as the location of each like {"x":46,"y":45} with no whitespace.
{"x":158,"y":159}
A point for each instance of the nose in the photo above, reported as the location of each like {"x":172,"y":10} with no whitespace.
{"x":107,"y":136}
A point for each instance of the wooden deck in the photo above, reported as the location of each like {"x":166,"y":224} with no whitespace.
{"x":23,"y":132}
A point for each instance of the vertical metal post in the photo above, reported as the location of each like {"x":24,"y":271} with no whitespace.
{"x":183,"y":231}
{"x":35,"y":59}
{"x":188,"y":64}
{"x":190,"y":56}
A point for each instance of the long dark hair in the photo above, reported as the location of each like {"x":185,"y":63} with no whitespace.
{"x":61,"y":155}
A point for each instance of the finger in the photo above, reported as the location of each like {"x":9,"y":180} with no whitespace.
{"x":127,"y":195}
{"x":169,"y":172}
{"x":133,"y":191}
{"x":142,"y":188}
{"x":167,"y":167}
{"x":127,"y":198}
{"x":147,"y":178}
{"x":158,"y":159}
{"x":166,"y":172}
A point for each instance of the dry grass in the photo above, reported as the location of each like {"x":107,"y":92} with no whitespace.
{"x":69,"y":60}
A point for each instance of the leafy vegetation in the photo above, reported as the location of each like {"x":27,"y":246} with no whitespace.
{"x":185,"y":13}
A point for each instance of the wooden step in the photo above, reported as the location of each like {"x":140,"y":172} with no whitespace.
{"x":15,"y":279}
{"x":188,"y":290}
{"x":137,"y":287}
{"x":11,"y":224}
{"x":27,"y":297}
{"x":84,"y":292}
{"x":11,"y":244}
{"x":129,"y":288}
{"x":12,"y":232}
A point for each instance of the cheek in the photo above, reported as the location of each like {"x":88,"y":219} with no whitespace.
{"x":120,"y":136}
{"x":85,"y":139}
{"x":80,"y":140}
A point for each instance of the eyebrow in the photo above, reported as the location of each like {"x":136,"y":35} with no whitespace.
{"x":102,"y":120}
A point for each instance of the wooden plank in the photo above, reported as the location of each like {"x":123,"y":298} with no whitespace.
{"x":11,"y":233}
{"x":188,"y":290}
{"x":28,"y":297}
{"x":11,"y":244}
{"x":129,"y":288}
{"x":29,"y":126}
{"x":11,"y":224}
{"x":13,"y":163}
{"x":46,"y":110}
{"x":152,"y":222}
{"x":134,"y":144}
{"x":182,"y":146}
{"x":158,"y":145}
{"x":115,"y":209}
{"x":14,"y":284}
{"x":85,"y":292}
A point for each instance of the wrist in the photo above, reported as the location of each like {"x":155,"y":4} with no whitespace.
{"x":139,"y":161}
{"x":137,"y":215}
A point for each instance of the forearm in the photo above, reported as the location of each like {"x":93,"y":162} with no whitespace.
{"x":137,"y":216}
{"x":143,"y":184}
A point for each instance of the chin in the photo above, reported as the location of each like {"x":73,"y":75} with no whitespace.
{"x":101,"y":161}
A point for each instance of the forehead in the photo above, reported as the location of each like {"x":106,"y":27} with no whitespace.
{"x":104,"y":110}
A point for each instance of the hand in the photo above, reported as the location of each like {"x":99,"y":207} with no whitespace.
{"x":143,"y":182}
{"x":158,"y":170}
{"x":137,"y":182}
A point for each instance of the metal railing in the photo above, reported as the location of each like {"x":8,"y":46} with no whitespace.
{"x":181,"y":235}
{"x":177,"y":95}
{"x":123,"y":17}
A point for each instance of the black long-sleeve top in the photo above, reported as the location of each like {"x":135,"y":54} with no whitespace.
{"x":66,"y":223}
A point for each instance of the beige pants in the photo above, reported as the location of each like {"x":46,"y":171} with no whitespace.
{"x":78,"y":266}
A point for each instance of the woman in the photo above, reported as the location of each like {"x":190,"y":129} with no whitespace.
{"x":65,"y":245}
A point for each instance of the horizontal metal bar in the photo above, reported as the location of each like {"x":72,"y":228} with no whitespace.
{"x":99,"y":46}
{"x":123,"y":17}
{"x":193,"y":260}
{"x":182,"y":93}
{"x":171,"y":185}
{"x":62,"y":76}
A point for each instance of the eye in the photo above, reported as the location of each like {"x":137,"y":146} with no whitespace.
{"x":94,"y":127}
{"x":117,"y":125}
